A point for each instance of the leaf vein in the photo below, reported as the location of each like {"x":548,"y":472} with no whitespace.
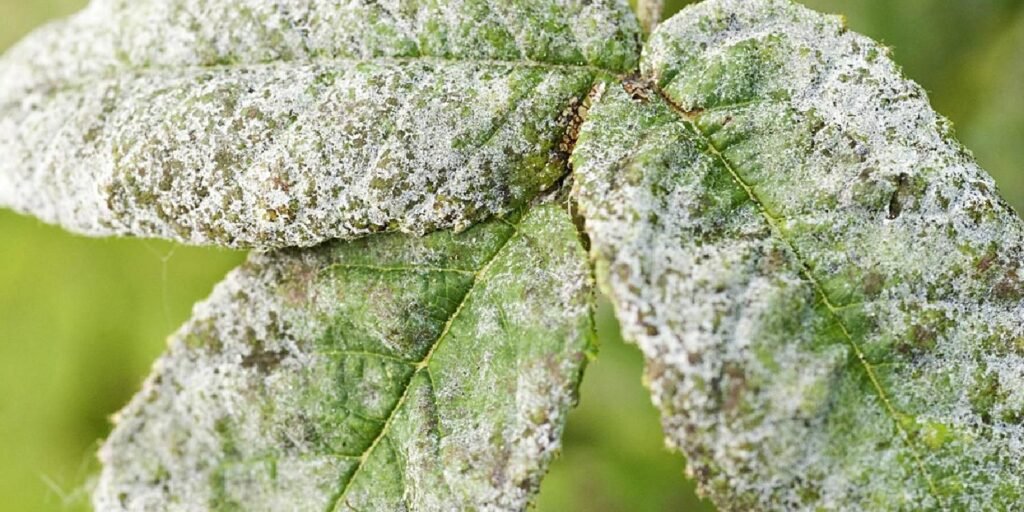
{"x":833,"y":310}
{"x":194,"y":69}
{"x":420,"y":366}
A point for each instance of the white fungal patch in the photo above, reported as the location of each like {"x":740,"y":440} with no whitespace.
{"x":353,"y":376}
{"x":277,"y":124}
{"x":825,"y":284}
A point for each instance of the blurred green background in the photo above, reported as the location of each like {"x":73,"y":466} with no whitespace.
{"x":81,"y":320}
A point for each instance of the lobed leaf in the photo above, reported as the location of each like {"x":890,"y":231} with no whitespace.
{"x":826,"y":286}
{"x":390,"y":373}
{"x":274,"y":124}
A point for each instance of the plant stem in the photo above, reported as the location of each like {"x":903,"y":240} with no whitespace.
{"x":650,"y":12}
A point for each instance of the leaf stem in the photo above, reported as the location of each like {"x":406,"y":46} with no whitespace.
{"x":649,"y":12}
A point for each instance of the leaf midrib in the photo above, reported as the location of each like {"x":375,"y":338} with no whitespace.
{"x":423,"y":366}
{"x":193,"y":70}
{"x":805,"y":270}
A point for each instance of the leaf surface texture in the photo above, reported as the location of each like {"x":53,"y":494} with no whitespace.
{"x":282,"y":124}
{"x":390,"y":373}
{"x":825,"y":284}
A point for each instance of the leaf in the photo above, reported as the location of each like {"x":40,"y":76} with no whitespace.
{"x":385,"y":374}
{"x":273,"y":124}
{"x":826,"y":286}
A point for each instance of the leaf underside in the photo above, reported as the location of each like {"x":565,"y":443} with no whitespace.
{"x":282,"y":124}
{"x":391,"y":373}
{"x":825,"y":284}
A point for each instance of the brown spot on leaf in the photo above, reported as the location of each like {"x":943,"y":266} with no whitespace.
{"x":924,"y":336}
{"x":895,"y":206}
{"x":638,"y":88}
{"x":263,"y":360}
{"x":773,"y":261}
{"x":1010,"y":287}
{"x":735,"y":388}
{"x":873,"y":283}
{"x":987,"y":261}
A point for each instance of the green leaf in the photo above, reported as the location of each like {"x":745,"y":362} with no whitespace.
{"x":388,"y":373}
{"x":274,"y":124}
{"x":826,"y":286}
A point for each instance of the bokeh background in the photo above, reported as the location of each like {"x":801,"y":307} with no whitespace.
{"x":81,"y":320}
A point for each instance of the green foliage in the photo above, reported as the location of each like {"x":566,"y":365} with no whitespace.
{"x":825,"y":306}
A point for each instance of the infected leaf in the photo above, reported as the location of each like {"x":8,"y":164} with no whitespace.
{"x":280,"y":124}
{"x":825,"y":284}
{"x":390,"y":373}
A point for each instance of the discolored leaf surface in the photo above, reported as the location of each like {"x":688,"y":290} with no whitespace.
{"x":279,"y":124}
{"x":825,"y":284}
{"x":390,"y":373}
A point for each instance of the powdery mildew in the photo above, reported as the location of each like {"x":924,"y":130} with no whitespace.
{"x":274,"y":124}
{"x":389,"y":373}
{"x":825,"y":284}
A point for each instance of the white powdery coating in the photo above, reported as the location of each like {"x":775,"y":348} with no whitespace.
{"x":113,"y":36}
{"x":823,"y":280}
{"x":699,"y":294}
{"x":167,"y":450}
{"x":273,"y":124}
{"x":332,"y":378}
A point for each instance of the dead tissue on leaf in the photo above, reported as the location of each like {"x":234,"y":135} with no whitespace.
{"x":383,"y":374}
{"x":825,"y":284}
{"x":279,"y":124}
